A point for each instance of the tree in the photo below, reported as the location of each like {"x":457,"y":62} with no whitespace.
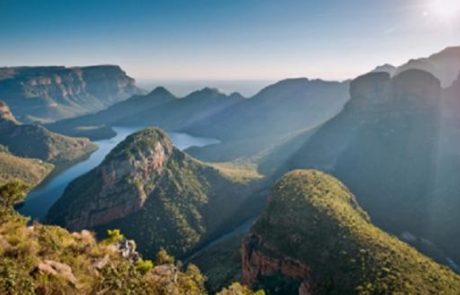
{"x":144,"y":266}
{"x":114,"y":236}
{"x":164,"y":258}
{"x":12,"y":192}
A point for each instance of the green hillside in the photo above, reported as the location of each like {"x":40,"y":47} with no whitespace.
{"x":313,"y":219}
{"x":158,"y":196}
{"x":30,"y":171}
{"x":34,"y":141}
{"x":41,"y":259}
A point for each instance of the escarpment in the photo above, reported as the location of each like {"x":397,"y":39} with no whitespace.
{"x":50,"y":93}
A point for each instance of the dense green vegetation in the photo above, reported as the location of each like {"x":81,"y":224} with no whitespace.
{"x":159,"y":196}
{"x":220,"y":262}
{"x":31,"y":171}
{"x":313,"y":218}
{"x":41,"y":259}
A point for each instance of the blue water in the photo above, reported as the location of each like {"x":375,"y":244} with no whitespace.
{"x":38,"y":202}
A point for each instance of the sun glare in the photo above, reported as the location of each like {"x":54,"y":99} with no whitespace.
{"x":445,"y":10}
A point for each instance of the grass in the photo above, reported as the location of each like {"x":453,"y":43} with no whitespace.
{"x":238,"y":172}
{"x":31,"y":171}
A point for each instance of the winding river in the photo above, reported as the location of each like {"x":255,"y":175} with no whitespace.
{"x":38,"y":202}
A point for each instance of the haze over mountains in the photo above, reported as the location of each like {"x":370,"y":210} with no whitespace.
{"x":444,"y":65}
{"x":44,"y":94}
{"x":377,"y":215}
{"x":35,"y":141}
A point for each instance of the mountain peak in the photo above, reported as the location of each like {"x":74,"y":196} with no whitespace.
{"x":205,"y":92}
{"x":418,"y":88}
{"x":236,"y":95}
{"x":209,"y":90}
{"x":386,"y":68}
{"x":417,"y":84}
{"x":150,"y":142}
{"x":160,"y":91}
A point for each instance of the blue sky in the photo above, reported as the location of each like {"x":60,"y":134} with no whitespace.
{"x":226,"y":39}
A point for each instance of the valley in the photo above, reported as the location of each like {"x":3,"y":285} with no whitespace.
{"x":230,"y":147}
{"x":40,"y":199}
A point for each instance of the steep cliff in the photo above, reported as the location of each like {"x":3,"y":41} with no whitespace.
{"x":394,"y":148}
{"x":156,"y":194}
{"x":51,"y":93}
{"x":313,"y":238}
{"x":34,"y":141}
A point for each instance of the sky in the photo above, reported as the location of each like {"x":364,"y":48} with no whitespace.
{"x":226,"y":39}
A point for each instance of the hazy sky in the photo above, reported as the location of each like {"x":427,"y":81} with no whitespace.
{"x":226,"y":39}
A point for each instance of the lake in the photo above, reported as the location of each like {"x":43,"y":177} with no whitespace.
{"x":39,"y":200}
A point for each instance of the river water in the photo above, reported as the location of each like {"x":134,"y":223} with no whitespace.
{"x":39,"y":200}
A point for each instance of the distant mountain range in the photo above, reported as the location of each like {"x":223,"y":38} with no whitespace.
{"x":444,"y":65}
{"x":42,"y":94}
{"x":30,"y":152}
{"x":246,"y":126}
{"x":396,"y":148}
{"x":158,"y":108}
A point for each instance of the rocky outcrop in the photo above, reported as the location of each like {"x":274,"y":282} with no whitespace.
{"x":378,"y":94}
{"x":444,"y":65}
{"x":155,"y":194}
{"x":417,"y":87}
{"x":51,"y":93}
{"x":256,"y":264}
{"x":125,"y":182}
{"x":57,"y":269}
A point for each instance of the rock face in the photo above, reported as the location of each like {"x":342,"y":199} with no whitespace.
{"x":444,"y":65}
{"x":256,"y":264}
{"x":51,"y":93}
{"x":156,"y":194}
{"x":313,"y":238}
{"x":125,"y":180}
{"x":377,"y":101}
{"x":394,"y":147}
{"x":34,"y":141}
